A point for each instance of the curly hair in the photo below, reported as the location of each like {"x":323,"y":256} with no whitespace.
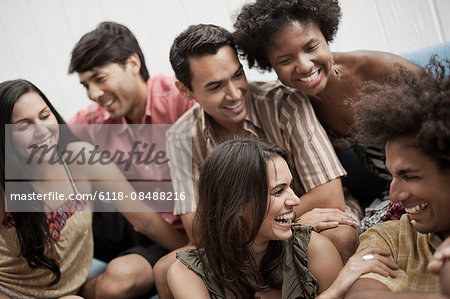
{"x":410,"y":105}
{"x":259,"y":22}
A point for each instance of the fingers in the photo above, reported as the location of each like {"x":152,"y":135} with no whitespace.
{"x":442,"y":253}
{"x":435,"y":266}
{"x":377,"y":263}
{"x":373,"y":250}
{"x":325,"y":225}
{"x":381,"y":269}
{"x":317,"y":217}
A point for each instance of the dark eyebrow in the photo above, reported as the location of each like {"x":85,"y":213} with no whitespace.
{"x":209,"y":84}
{"x":95,"y":74}
{"x":24,"y":119}
{"x":405,"y":171}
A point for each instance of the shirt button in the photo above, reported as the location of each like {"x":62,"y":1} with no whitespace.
{"x":146,"y":167}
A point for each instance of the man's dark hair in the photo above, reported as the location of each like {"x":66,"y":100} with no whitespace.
{"x":258,"y":23}
{"x":196,"y":41}
{"x":415,"y":105}
{"x":109,"y":42}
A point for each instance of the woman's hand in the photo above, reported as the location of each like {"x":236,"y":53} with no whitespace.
{"x":322,"y":219}
{"x":442,"y":253}
{"x":368,"y":260}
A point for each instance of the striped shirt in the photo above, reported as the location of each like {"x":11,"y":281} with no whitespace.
{"x":276,"y":113}
{"x":411,"y":250}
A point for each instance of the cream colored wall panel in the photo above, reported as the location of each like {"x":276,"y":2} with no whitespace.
{"x":162,"y":24}
{"x":360,"y":27}
{"x":408,"y":24}
{"x":211,"y":11}
{"x":37,"y":36}
{"x":81,"y":16}
{"x":442,"y":8}
{"x":9,"y":67}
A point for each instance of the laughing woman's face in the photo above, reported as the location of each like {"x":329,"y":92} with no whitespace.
{"x":300,"y":56}
{"x":34,"y":125}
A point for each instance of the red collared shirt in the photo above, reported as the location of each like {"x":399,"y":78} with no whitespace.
{"x":164,"y":106}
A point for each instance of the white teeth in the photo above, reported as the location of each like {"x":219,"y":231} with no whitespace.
{"x":416,"y":209}
{"x":44,"y":143}
{"x":285,"y":216}
{"x":237,"y":104}
{"x":107,"y":104}
{"x":310,"y":78}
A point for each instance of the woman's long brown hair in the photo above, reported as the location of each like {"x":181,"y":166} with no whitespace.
{"x":234,"y":177}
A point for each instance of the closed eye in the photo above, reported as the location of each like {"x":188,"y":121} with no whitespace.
{"x":313,"y":47}
{"x":411,"y":177}
{"x":238,"y":74}
{"x":22,"y":127}
{"x":214,"y":87}
{"x":44,"y":117}
{"x":278,"y":192}
{"x":100,"y":79}
{"x":285,"y":61}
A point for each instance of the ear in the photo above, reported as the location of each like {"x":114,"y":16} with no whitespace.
{"x":134,"y":63}
{"x":185,"y":92}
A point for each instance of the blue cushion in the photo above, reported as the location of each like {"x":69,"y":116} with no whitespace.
{"x":97,"y":268}
{"x":421,"y":57}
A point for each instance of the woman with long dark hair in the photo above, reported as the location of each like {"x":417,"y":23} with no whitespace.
{"x":38,"y":248}
{"x":246,"y":244}
{"x":46,"y":245}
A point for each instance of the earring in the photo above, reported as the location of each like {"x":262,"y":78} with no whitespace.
{"x":336,"y":71}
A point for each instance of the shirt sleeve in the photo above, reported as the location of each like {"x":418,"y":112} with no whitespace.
{"x":384,"y":236}
{"x":184,"y":173}
{"x":314,"y":157}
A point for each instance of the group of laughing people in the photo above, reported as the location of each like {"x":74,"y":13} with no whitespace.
{"x":265,"y":213}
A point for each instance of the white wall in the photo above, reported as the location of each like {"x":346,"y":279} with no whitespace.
{"x":37,"y":36}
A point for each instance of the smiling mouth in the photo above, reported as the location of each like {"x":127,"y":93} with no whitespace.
{"x":107,"y":103}
{"x":310,"y":78}
{"x":416,"y":209}
{"x":46,"y":142}
{"x":236,"y":105}
{"x":285,"y":218}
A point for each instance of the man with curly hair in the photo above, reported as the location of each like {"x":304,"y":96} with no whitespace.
{"x":411,"y":116}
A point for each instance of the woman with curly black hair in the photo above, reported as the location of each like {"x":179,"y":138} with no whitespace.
{"x":291,"y":37}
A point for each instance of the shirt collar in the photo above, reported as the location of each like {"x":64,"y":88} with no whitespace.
{"x":434,"y":240}
{"x":251,"y":120}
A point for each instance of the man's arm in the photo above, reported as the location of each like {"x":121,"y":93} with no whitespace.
{"x":316,"y":163}
{"x":319,"y":169}
{"x":109,"y":178}
{"x":368,"y":288}
{"x":184,"y":172}
{"x":187,"y":220}
{"x":153,"y":226}
{"x":327,"y":195}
